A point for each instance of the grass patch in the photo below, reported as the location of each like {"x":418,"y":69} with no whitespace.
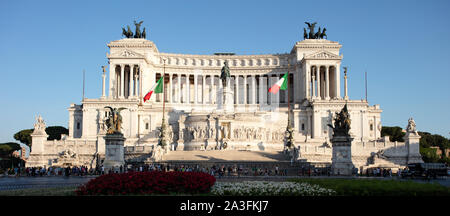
{"x":374,"y":187}
{"x":58,"y":191}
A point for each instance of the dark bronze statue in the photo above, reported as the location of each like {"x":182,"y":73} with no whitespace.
{"x":312,"y":34}
{"x":311,"y":29}
{"x":317,"y":34}
{"x":127,"y":33}
{"x":138,"y":34}
{"x":114,"y":120}
{"x":342,"y":123}
{"x":225,"y":75}
{"x":138,"y":29}
{"x":323,"y":34}
{"x":143,"y":33}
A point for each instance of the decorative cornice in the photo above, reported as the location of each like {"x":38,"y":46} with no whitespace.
{"x":323,"y":55}
{"x":125,"y":54}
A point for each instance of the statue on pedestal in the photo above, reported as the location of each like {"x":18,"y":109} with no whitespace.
{"x":342,"y":123}
{"x":341,"y":161}
{"x":114,"y":120}
{"x":411,"y":128}
{"x":225,"y":75}
{"x":39,"y":126}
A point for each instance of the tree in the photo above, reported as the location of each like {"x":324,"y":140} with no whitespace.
{"x":24,"y":136}
{"x":6,"y":157}
{"x":54,"y":133}
{"x":9,"y":148}
{"x":427,"y":140}
{"x":394,"y":133}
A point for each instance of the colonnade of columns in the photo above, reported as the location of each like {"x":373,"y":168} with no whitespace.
{"x":324,"y":82}
{"x":203,"y":89}
{"x":126,"y":82}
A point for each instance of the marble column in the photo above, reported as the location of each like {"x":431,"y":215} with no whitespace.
{"x":170,"y":95}
{"x":327,"y":83}
{"x":318,"y":81}
{"x":253,"y":89}
{"x":195,"y":88}
{"x":140,"y":71}
{"x":236,"y":83}
{"x":130,"y":92}
{"x":345,"y":87}
{"x":313,"y":86}
{"x":103,"y":85}
{"x":261,"y":90}
{"x":307,"y":82}
{"x":203,"y":89}
{"x":188,"y":88}
{"x":179,"y":92}
{"x":136,"y":84}
{"x":245,"y":89}
{"x":122,"y":81}
{"x":112,"y":78}
{"x":337,"y":76}
{"x":213,"y":90}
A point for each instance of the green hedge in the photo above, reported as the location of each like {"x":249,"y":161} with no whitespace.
{"x":373,"y":187}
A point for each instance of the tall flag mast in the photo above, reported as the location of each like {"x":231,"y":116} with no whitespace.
{"x":83,"y":83}
{"x":162,"y":140}
{"x":289,"y":130}
{"x":366,"y":84}
{"x":283,"y":84}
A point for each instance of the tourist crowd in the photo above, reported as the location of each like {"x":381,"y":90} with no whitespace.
{"x":379,"y":172}
{"x":215,"y":170}
{"x":53,"y":171}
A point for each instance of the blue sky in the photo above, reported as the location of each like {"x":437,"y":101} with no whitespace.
{"x":403,"y":45}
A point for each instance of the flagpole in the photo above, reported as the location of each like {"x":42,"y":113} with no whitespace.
{"x":289,"y":130}
{"x":162,"y":141}
{"x":289,"y":95}
{"x":164,"y":93}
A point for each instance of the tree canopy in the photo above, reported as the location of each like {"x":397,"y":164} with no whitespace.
{"x":394,"y":133}
{"x":54,"y":132}
{"x":427,"y":140}
{"x":8,"y":148}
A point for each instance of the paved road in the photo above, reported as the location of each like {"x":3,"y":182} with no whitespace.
{"x":12,"y":183}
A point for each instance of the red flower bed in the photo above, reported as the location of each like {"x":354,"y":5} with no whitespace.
{"x":154,"y":182}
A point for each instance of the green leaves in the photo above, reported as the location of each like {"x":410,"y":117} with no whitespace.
{"x":8,"y":148}
{"x":54,"y":133}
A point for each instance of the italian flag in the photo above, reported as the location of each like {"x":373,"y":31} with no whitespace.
{"x":157,"y":88}
{"x":281,"y":84}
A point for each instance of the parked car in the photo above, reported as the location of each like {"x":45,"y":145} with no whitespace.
{"x":427,"y":170}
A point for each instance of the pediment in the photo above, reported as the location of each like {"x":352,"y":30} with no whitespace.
{"x":126,"y":54}
{"x":323,"y":55}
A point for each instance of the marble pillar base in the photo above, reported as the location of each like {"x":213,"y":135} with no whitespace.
{"x":341,"y":161}
{"x":114,"y":153}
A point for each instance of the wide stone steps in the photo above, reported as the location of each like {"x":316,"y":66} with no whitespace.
{"x":226,"y":156}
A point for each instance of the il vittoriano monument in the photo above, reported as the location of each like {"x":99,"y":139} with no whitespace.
{"x":219,"y":108}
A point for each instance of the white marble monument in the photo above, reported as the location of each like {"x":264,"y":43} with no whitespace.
{"x":253,"y":119}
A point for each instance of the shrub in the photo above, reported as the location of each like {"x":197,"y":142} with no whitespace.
{"x":155,"y":182}
{"x":264,"y":188}
{"x":376,"y":187}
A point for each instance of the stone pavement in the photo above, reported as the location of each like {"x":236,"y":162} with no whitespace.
{"x":16,"y":183}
